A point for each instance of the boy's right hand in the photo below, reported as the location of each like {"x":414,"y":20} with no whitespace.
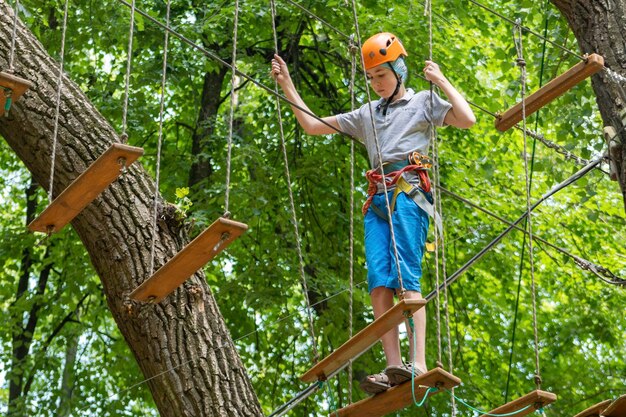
{"x":279,"y":70}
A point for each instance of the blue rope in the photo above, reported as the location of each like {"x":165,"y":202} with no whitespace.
{"x":539,"y":410}
{"x":332,"y":402}
{"x":430,"y":389}
{"x":7,"y":105}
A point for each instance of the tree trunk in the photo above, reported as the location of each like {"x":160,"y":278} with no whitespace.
{"x":183,"y":341}
{"x":21,"y":339}
{"x":600,"y":27}
{"x":68,"y":379}
{"x":202,"y":142}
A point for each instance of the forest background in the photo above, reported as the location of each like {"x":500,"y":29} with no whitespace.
{"x":58,"y":342}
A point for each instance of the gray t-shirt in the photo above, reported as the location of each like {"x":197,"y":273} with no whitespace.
{"x":404,"y":129}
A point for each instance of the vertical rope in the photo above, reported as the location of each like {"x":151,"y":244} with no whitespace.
{"x":435,"y":152}
{"x":129,"y":58}
{"x":16,"y":10}
{"x":55,"y":135}
{"x":354,"y":49}
{"x":160,"y":140}
{"x":521,"y":264}
{"x":521,"y":63}
{"x":380,"y":157}
{"x":231,"y":116}
{"x":440,"y":244}
{"x":294,"y":218}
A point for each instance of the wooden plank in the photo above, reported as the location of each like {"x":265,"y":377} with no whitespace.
{"x":84,"y":189}
{"x":400,"y":396}
{"x":555,"y":88}
{"x":17,"y":86}
{"x":617,"y":408}
{"x":186,"y":262}
{"x":363,"y":340}
{"x":594,"y":410}
{"x":537,"y":399}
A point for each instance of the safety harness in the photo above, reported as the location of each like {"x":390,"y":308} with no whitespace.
{"x":393,"y":176}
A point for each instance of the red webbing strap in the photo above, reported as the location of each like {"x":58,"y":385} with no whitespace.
{"x":374,"y":178}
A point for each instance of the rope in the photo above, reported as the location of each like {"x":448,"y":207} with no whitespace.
{"x":216,"y":58}
{"x":332,"y":404}
{"x":521,"y":263}
{"x":549,"y":144}
{"x":55,"y":135}
{"x":484,"y":413}
{"x":319,"y":19}
{"x":413,"y":376}
{"x":231,"y":116}
{"x":296,"y":400}
{"x":560,"y":149}
{"x":573,"y":178}
{"x":522,"y":65}
{"x":301,"y":396}
{"x":602,"y":272}
{"x":16,"y":10}
{"x":433,"y":142}
{"x":380,"y":157}
{"x":354,"y":50}
{"x":438,"y":208}
{"x":582,"y":263}
{"x":124,"y":135}
{"x":294,"y":218}
{"x":525,"y":29}
{"x":160,"y":139}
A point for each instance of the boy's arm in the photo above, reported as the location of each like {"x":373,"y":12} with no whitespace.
{"x":460,"y":115}
{"x":310,"y":124}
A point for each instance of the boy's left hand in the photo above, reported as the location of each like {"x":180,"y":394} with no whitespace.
{"x":433,"y":73}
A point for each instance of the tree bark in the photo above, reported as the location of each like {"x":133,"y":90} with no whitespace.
{"x":600,"y":27}
{"x":182,"y":343}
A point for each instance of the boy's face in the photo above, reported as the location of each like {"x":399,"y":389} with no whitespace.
{"x":383,"y":80}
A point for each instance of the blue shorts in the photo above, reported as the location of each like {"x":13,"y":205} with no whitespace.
{"x":410,"y":226}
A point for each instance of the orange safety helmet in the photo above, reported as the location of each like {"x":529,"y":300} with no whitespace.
{"x":380,"y":48}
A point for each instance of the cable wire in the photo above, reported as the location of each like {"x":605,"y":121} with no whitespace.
{"x":526,"y":29}
{"x":567,"y":182}
{"x":219,"y":60}
{"x":319,"y":19}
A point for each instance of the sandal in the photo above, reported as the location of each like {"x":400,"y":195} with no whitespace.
{"x":376,"y":383}
{"x":400,"y":374}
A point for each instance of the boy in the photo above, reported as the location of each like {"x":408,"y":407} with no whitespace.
{"x":402,"y":122}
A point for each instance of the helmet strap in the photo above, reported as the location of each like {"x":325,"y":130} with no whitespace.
{"x":395,"y":91}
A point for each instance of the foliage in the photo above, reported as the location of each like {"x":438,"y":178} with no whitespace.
{"x":257,"y":283}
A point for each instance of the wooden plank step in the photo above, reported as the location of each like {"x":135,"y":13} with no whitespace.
{"x":84,"y":189}
{"x":186,"y":262}
{"x":594,"y":410}
{"x":363,"y":340}
{"x":16,"y":85}
{"x":550,"y":91}
{"x":617,"y":408}
{"x":537,"y":399}
{"x":400,"y":396}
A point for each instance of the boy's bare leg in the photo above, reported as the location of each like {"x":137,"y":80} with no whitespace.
{"x":382,"y":300}
{"x":419,"y":320}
